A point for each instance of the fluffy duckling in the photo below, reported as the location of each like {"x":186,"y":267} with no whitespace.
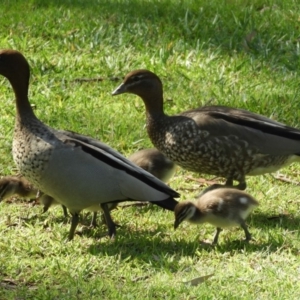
{"x":14,"y":185}
{"x":217,"y":140}
{"x":222,"y":207}
{"x":154,"y":162}
{"x":18,"y":185}
{"x":48,"y":201}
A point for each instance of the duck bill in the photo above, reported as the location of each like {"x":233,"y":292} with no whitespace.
{"x":119,"y":90}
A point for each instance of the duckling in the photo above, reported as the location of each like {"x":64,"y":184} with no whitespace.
{"x":18,"y":185}
{"x":76,"y":170}
{"x":13,"y":185}
{"x":154,"y":162}
{"x":222,"y":207}
{"x":216,"y":140}
{"x":48,"y":201}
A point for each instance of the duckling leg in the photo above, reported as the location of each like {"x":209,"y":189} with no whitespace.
{"x":74,"y":223}
{"x":109,"y":222}
{"x":66,"y":215}
{"x":215,"y":241}
{"x":94,"y":220}
{"x":65,"y":211}
{"x":45,"y":208}
{"x":46,"y":200}
{"x":247,"y":233}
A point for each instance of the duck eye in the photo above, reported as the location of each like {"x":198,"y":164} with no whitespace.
{"x":136,"y":78}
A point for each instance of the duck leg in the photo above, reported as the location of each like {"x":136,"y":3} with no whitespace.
{"x":109,"y":222}
{"x":210,"y":188}
{"x":228,"y":184}
{"x":74,"y":223}
{"x":216,"y":237}
{"x":110,"y":206}
{"x":241,"y":186}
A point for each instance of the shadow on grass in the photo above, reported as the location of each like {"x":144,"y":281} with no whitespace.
{"x":285,"y":221}
{"x":252,"y":28}
{"x":155,"y":246}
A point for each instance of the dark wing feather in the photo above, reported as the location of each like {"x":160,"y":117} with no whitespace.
{"x":268,"y":136}
{"x":111,"y":157}
{"x":255,"y":121}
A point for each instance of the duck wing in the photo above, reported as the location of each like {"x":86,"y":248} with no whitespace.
{"x":268,"y":136}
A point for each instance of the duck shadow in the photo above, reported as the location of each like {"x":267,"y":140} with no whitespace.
{"x":155,"y":246}
{"x":146,"y":245}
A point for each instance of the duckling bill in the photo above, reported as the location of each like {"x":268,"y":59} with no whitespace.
{"x":223,"y":207}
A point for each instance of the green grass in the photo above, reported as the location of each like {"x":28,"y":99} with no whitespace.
{"x":240,"y":53}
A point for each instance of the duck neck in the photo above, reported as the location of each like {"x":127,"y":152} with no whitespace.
{"x":20,"y":87}
{"x":154,"y":119}
{"x":155,"y":115}
{"x":154,"y":104}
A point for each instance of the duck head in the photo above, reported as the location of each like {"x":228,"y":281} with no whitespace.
{"x":14,"y":67}
{"x":146,"y":85}
{"x":138,"y":82}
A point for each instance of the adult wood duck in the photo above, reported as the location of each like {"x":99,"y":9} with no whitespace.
{"x":222,"y":207}
{"x":216,"y":140}
{"x":77,"y":171}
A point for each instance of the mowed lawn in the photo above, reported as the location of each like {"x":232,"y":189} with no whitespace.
{"x":242,"y":54}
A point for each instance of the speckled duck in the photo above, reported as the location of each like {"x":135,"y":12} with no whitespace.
{"x":77,"y":171}
{"x":216,"y":140}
